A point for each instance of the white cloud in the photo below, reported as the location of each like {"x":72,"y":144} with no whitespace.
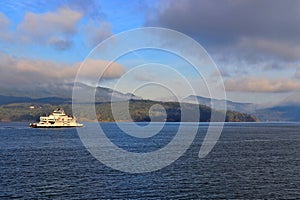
{"x":57,"y":28}
{"x":254,"y":84}
{"x":40,"y":25}
{"x":44,"y":28}
{"x":4,"y":21}
{"x":20,"y":71}
{"x":94,"y":67}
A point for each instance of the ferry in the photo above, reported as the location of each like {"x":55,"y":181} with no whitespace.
{"x":58,"y":119}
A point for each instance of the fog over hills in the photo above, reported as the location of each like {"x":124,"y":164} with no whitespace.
{"x":286,"y":110}
{"x":55,"y":95}
{"x":241,"y":107}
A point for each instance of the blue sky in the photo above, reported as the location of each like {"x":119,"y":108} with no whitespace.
{"x":255,"y":44}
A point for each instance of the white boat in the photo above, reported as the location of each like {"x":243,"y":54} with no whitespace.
{"x":58,"y":119}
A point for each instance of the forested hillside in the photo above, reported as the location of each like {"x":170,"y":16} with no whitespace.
{"x":140,"y":110}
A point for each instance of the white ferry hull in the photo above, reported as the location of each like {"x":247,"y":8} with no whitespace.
{"x":58,"y":119}
{"x":37,"y":125}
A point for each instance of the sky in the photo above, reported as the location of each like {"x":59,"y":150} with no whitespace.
{"x":255,"y":45}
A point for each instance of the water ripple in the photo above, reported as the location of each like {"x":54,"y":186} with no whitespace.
{"x":252,"y":161}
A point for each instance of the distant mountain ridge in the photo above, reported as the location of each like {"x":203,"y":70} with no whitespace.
{"x":236,"y":106}
{"x":11,"y":99}
{"x":140,"y":111}
{"x":53,"y":100}
{"x":14,"y":108}
{"x":102,"y":95}
{"x":284,"y":111}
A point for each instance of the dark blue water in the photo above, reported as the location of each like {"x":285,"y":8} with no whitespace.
{"x":251,"y":160}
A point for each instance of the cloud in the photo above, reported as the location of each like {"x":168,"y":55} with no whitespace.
{"x":108,"y":69}
{"x":46,"y":28}
{"x":297,"y":73}
{"x":22,"y":72}
{"x":250,"y":29}
{"x":97,"y":31}
{"x":4,"y":21}
{"x":40,"y":25}
{"x":254,"y":84}
{"x":96,"y":28}
{"x":280,"y":66}
{"x":220,"y":72}
{"x":58,"y":28}
{"x":286,"y":50}
{"x":89,"y":8}
{"x":61,"y":44}
{"x":291,"y":99}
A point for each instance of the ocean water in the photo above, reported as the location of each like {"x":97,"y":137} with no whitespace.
{"x":250,"y":161}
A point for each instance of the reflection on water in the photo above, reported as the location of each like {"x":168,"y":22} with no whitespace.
{"x":251,"y":160}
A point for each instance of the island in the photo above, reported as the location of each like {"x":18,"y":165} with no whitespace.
{"x":140,"y":111}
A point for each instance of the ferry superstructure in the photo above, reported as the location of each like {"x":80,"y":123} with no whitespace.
{"x":58,"y":119}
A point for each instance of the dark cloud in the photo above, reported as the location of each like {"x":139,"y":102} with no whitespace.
{"x":273,"y":66}
{"x":280,"y":66}
{"x":270,"y":48}
{"x":96,"y":31}
{"x":61,"y":44}
{"x":89,"y":8}
{"x":250,"y":27}
{"x":297,"y":73}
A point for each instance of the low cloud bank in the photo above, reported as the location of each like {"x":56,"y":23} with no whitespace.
{"x":29,"y":73}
